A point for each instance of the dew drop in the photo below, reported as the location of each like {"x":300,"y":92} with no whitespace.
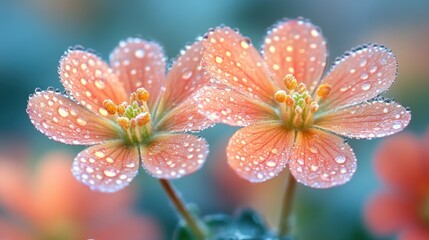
{"x":396,"y":125}
{"x":244,"y":44}
{"x":109,"y":173}
{"x":364,"y":76}
{"x":314,"y":168}
{"x":259,"y":175}
{"x":81,"y":121}
{"x":366,"y":86}
{"x":130,"y":165}
{"x":63,"y":111}
{"x":340,"y":159}
{"x":186,"y":75}
{"x":385,"y":110}
{"x":139,"y":53}
{"x":300,"y":161}
{"x":45,"y":124}
{"x":271,"y":164}
{"x":99,"y":83}
{"x":313,"y":150}
{"x":100,"y":153}
{"x":219,"y":59}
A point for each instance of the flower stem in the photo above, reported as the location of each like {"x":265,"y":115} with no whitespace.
{"x":285,"y":225}
{"x":193,"y":224}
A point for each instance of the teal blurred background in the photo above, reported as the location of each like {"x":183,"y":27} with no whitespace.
{"x":35,"y":34}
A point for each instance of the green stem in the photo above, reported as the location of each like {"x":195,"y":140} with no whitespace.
{"x":192,"y":223}
{"x":285,"y":225}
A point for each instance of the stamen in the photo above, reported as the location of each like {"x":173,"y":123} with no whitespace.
{"x":323,"y":90}
{"x":143,"y":119}
{"x":121,"y":108}
{"x":290,"y":81}
{"x":289,"y":101}
{"x":280,"y":96}
{"x":142,"y":94}
{"x":314,"y":107}
{"x":109,"y":106}
{"x":124,"y":122}
{"x":301,"y":88}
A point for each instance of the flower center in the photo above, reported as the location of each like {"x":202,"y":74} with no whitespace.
{"x":133,"y":117}
{"x":297,"y":107}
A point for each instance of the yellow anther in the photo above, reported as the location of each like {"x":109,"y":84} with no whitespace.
{"x":314,"y":107}
{"x":289,"y":101}
{"x":110,"y":107}
{"x":143,"y":118}
{"x":323,"y":90}
{"x":280,"y":96}
{"x":142,"y":94}
{"x":121,"y":108}
{"x":290,"y":81}
{"x":124,"y":122}
{"x":133,"y":97}
{"x":301,"y":88}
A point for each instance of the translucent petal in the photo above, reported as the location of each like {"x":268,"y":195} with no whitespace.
{"x":387,"y":213}
{"x":107,"y":167}
{"x":184,"y":118}
{"x":232,"y":59}
{"x":172,"y":156}
{"x":260,"y":152}
{"x":186,"y":76}
{"x":321,"y":159}
{"x":90,"y":80}
{"x":140,"y":63}
{"x":296,"y":47}
{"x":367,"y":120}
{"x":223,"y":104}
{"x":63,"y":120}
{"x":360,"y":75}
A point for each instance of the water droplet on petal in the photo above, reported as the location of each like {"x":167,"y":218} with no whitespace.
{"x":186,"y":75}
{"x":109,"y":173}
{"x":397,"y":125}
{"x":366,"y":86}
{"x":100,"y":84}
{"x":63,"y":111}
{"x":81,"y":121}
{"x":340,"y":159}
{"x":271,"y":164}
{"x":219,"y":59}
{"x":364,"y":76}
{"x":139,"y":53}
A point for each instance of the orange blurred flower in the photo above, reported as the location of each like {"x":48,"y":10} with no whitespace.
{"x":131,"y":111}
{"x":402,"y":205}
{"x":51,"y":204}
{"x":290,"y":115}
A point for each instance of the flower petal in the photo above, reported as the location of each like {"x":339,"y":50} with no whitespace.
{"x":400,"y":162}
{"x":260,"y":152}
{"x":63,"y":120}
{"x":107,"y":167}
{"x":140,"y":63}
{"x":172,"y":156}
{"x":360,"y":75}
{"x":296,"y":47}
{"x":415,"y":233}
{"x":386,"y":213}
{"x":90,"y":80}
{"x":221,"y":103}
{"x":231,"y":58}
{"x":184,"y":118}
{"x":186,"y":76}
{"x":367,"y":120}
{"x":321,"y":159}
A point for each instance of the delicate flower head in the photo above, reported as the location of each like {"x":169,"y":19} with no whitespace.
{"x":130,"y":110}
{"x":51,"y":204}
{"x":291,"y":115}
{"x":402,"y":205}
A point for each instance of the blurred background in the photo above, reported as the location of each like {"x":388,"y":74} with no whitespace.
{"x":34,"y":35}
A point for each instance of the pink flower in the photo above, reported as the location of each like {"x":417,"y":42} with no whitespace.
{"x":110,"y":108}
{"x":291,"y":115}
{"x":402,"y":205}
{"x":50,"y":204}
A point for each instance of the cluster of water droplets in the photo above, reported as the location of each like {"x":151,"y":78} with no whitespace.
{"x":63,"y":120}
{"x":106,"y":169}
